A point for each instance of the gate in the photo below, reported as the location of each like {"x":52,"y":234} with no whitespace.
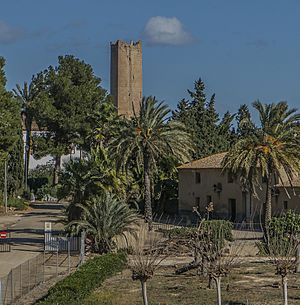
{"x":56,"y":243}
{"x":5,"y":241}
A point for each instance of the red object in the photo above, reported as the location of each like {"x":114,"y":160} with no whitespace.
{"x":3,"y":235}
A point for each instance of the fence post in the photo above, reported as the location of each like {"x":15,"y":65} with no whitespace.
{"x":57,"y":259}
{"x":11,"y":286}
{"x":36,"y":271}
{"x":82,"y":248}
{"x":28,"y":275}
{"x":44,"y":266}
{"x":21,"y":282}
{"x":1,"y":295}
{"x":69,"y":255}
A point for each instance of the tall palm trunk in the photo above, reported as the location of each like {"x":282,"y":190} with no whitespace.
{"x":147,"y":189}
{"x":57,"y":166}
{"x":28,"y":125}
{"x":268,"y":207}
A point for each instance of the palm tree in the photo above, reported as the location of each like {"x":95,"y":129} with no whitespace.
{"x":103,"y":219}
{"x":148,"y":137}
{"x":83,"y":178}
{"x":26,"y":96}
{"x":269,"y":151}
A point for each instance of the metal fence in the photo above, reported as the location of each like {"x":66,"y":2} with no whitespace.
{"x":5,"y":241}
{"x":167,"y":223}
{"x":22,"y":279}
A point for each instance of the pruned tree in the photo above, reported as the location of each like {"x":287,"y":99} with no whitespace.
{"x":210,"y":247}
{"x":282,"y":247}
{"x":149,"y":251}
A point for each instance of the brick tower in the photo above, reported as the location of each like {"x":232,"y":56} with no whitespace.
{"x":126,"y":76}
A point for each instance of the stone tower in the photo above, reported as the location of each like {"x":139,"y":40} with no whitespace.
{"x":126,"y":76}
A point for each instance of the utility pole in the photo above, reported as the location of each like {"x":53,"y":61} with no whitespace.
{"x":5,"y":185}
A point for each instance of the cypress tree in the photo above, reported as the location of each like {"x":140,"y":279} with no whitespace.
{"x":202,"y":121}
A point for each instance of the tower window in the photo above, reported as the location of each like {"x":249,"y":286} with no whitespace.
{"x":285,"y":205}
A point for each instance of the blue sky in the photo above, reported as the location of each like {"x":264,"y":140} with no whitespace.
{"x":243,"y":50}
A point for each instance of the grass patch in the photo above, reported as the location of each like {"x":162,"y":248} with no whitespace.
{"x":248,"y":283}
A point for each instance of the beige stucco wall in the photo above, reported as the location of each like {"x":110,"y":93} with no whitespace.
{"x":248,"y":207}
{"x":292,"y":197}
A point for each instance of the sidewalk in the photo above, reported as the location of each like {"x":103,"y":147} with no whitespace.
{"x":9,"y":220}
{"x":27,"y":233}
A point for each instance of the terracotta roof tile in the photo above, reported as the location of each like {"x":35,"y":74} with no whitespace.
{"x":213,"y":161}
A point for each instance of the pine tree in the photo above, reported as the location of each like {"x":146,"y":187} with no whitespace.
{"x":202,"y":121}
{"x":68,"y":108}
{"x":244,"y":122}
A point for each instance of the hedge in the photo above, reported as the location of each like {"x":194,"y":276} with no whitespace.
{"x":77,"y":286}
{"x":211,"y":225}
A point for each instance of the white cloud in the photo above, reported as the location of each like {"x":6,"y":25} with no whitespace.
{"x":9,"y":34}
{"x":166,"y":31}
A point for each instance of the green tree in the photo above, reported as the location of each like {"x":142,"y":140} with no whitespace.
{"x":145,"y":139}
{"x":270,"y":151}
{"x":209,"y":133}
{"x":244,"y":124}
{"x":11,"y":142}
{"x":104,"y":218}
{"x":68,"y":109}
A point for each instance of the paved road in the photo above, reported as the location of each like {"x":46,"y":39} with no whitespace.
{"x":27,"y":234}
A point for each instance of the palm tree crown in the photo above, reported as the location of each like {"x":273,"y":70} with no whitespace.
{"x":146,"y":138}
{"x":103,"y":219}
{"x":269,"y":151}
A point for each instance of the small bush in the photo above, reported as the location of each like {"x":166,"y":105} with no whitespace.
{"x":77,"y":286}
{"x":288,"y":223}
{"x":46,"y":190}
{"x":17,"y":203}
{"x":283,"y":231}
{"x":40,"y":181}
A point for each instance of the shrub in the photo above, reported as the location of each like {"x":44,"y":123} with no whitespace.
{"x":77,"y":286}
{"x":288,"y":223}
{"x":285,"y":229}
{"x":46,"y":190}
{"x":207,"y":225}
{"x":17,"y":203}
{"x":40,"y":181}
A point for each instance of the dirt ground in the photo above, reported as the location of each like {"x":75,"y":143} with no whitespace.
{"x":251,"y":283}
